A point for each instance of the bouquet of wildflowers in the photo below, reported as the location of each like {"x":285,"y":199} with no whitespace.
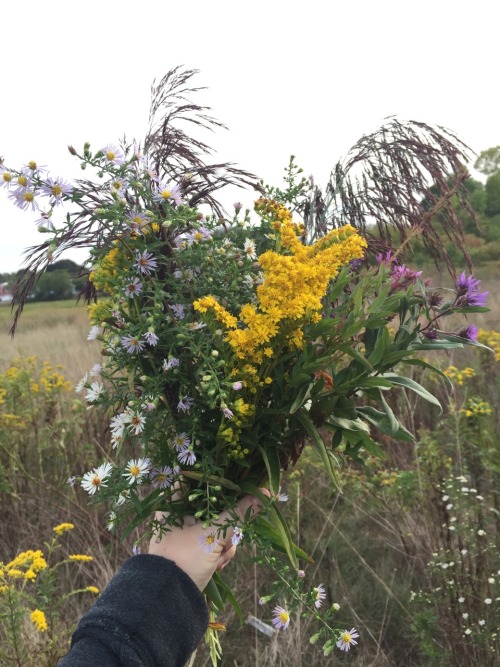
{"x":229,"y":343}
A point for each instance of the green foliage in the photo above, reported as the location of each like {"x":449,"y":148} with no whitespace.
{"x":53,"y":286}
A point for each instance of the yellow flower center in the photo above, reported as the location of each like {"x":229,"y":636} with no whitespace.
{"x":166,"y":194}
{"x":28,"y":196}
{"x":134,"y":471}
{"x":22,"y":180}
{"x":346,"y":637}
{"x":284,"y":616}
{"x":32,"y":165}
{"x":110,"y":155}
{"x":56,"y":190}
{"x":210,"y":539}
{"x":7,"y":177}
{"x":96,"y":481}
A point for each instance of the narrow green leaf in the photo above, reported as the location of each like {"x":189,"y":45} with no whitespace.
{"x":273,"y":466}
{"x":213,"y":593}
{"x":414,"y":386}
{"x":318,"y":445}
{"x":222,"y":586}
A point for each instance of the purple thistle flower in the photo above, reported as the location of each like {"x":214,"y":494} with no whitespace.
{"x":432,"y":334}
{"x":469,"y":333}
{"x":162,"y":478}
{"x":468,"y":291}
{"x":185,"y":404}
{"x":151,"y":338}
{"x":133,"y":288}
{"x":132,"y":344}
{"x":186,"y":457}
{"x":146,"y":263}
{"x":384,"y":258}
{"x":402,"y":277}
{"x":281,"y":618}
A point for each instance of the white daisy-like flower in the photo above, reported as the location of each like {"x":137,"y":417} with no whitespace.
{"x":208,"y":542}
{"x":81,"y":384}
{"x":237,"y":536}
{"x":319,"y":595}
{"x":136,"y":422}
{"x":93,"y":480}
{"x":96,"y":389}
{"x":488,"y":601}
{"x":136,"y":469}
{"x":347,"y":639}
{"x":249,"y":248}
{"x":94,"y":332}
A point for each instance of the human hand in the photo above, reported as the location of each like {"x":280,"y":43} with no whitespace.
{"x":198,"y":551}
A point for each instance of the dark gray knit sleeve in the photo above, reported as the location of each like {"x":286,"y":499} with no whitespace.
{"x":151,"y":615}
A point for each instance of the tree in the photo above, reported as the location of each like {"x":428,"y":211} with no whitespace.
{"x":493,"y":194}
{"x":488,"y":162}
{"x":53,"y":286}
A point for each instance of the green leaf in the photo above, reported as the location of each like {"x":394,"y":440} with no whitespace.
{"x":273,"y":466}
{"x":213,"y":593}
{"x":352,"y":352}
{"x":213,"y":479}
{"x":380,"y":420}
{"x":266,"y":530}
{"x":318,"y":445}
{"x":222,"y":586}
{"x":414,"y":386}
{"x":472,"y":309}
{"x":348,"y":424}
{"x":282,"y":528}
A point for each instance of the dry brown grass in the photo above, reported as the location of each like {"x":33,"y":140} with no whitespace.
{"x":55,"y":332}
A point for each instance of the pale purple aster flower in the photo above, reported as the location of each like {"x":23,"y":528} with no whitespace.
{"x":467,"y":291}
{"x":146,"y":263}
{"x":55,"y":188}
{"x":185,"y":404}
{"x":199,"y":235}
{"x":161,"y":478}
{"x":132,"y":344}
{"x":113,"y":154}
{"x":136,"y":469}
{"x":237,"y":206}
{"x":178,"y":310}
{"x":169,"y":363}
{"x":237,"y":385}
{"x":96,"y":389}
{"x":24,"y":199}
{"x":237,"y":536}
{"x":301,"y":574}
{"x":133,"y":288}
{"x":94,"y":332}
{"x":186,"y":457}
{"x":151,"y":338}
{"x":470,"y":333}
{"x":180,"y":441}
{"x":23,"y":180}
{"x":71,"y":480}
{"x":96,"y":369}
{"x":208,"y":542}
{"x":44,"y":223}
{"x":282,"y":497}
{"x":136,"y":422}
{"x":169,"y":193}
{"x":227,"y":413}
{"x":281,"y":618}
{"x":149,"y":404}
{"x":6,"y":177}
{"x":319,"y":595}
{"x":136,"y":550}
{"x":261,"y":601}
{"x":119,"y":186}
{"x":347,"y":638}
{"x":93,"y":480}
{"x":137,"y":219}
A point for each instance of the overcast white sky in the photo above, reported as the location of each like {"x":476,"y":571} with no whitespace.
{"x":307,"y":78}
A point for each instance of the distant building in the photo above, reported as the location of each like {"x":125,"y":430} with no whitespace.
{"x":5,"y":294}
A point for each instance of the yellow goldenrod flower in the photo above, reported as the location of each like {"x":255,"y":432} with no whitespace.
{"x":62,"y":528}
{"x":39,"y":620}
{"x":81,"y":558}
{"x":92,"y":589}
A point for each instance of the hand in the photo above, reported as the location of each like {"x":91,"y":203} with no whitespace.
{"x":185,"y":546}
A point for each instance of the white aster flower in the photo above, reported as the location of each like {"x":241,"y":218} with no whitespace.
{"x":94,"y":332}
{"x":249,"y":248}
{"x":347,"y":638}
{"x":136,"y":420}
{"x":136,"y":469}
{"x":96,"y":389}
{"x":93,"y":480}
{"x":81,"y":385}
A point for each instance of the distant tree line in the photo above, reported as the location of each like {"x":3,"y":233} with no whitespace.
{"x":60,"y":281}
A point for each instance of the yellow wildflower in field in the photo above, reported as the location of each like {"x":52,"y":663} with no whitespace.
{"x":62,"y":528}
{"x":39,"y":620}
{"x":490,"y":338}
{"x":83,"y":558}
{"x":476,"y":407}
{"x":459,"y":376}
{"x":92,"y":589}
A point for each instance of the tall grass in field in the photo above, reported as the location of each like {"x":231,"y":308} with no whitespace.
{"x":408,"y":547}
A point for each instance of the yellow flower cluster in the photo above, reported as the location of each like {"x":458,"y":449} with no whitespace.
{"x":82,"y":558}
{"x":25,"y":565}
{"x":459,"y":376}
{"x":490,"y":338}
{"x":39,"y":620}
{"x":62,"y":528}
{"x":52,"y":381}
{"x":291,"y":292}
{"x":92,"y":589}
{"x":103,"y":276}
{"x":475,"y":407}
